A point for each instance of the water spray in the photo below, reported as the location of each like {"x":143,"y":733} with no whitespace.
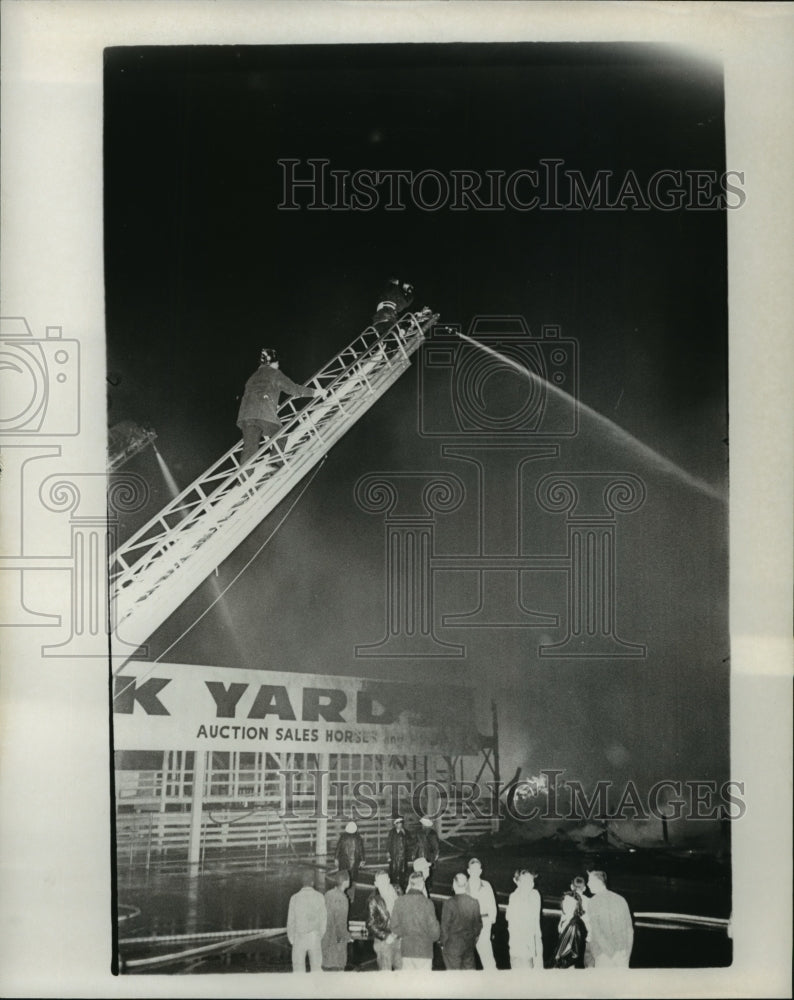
{"x":170,"y":482}
{"x":613,"y":430}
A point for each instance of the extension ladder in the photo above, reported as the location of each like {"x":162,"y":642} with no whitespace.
{"x":156,"y":569}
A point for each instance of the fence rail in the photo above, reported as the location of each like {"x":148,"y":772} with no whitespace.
{"x":146,"y":837}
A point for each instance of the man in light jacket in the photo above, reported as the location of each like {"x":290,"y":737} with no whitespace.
{"x":481,"y":890}
{"x":306,"y":921}
{"x":337,"y":936}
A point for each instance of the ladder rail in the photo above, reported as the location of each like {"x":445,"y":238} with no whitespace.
{"x":226,"y":469}
{"x":168,"y":543}
{"x":192,"y":510}
{"x":191,"y":518}
{"x":212,"y":547}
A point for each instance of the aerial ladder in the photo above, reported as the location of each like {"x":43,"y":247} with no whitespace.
{"x":157,"y":568}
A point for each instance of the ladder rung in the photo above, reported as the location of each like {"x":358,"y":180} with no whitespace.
{"x":168,"y":544}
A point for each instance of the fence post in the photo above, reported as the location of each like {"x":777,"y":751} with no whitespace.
{"x":196,"y":812}
{"x":321,"y":806}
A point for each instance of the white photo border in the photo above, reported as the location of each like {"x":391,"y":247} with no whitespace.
{"x":56,"y":901}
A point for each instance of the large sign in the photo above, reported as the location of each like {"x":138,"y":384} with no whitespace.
{"x":169,"y":706}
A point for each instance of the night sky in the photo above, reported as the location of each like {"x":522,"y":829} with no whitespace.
{"x":202,"y":269}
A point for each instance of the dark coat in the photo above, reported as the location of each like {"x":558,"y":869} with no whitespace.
{"x":394,"y":300}
{"x":570,"y":946}
{"x":393,"y":294}
{"x":336,"y":935}
{"x":426,"y":844}
{"x":461,"y":923}
{"x":262,"y":392}
{"x":378,"y":916}
{"x":350,"y":852}
{"x":414,"y":920}
{"x":397,"y":849}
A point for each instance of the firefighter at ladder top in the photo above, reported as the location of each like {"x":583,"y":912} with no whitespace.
{"x":258,"y":414}
{"x":395,"y":299}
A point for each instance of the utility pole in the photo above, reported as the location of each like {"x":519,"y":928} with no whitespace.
{"x":496,"y":768}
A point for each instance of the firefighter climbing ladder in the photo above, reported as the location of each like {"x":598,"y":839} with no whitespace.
{"x":156,"y":569}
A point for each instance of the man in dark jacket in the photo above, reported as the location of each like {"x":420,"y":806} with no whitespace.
{"x":461,"y":924}
{"x":396,"y":298}
{"x":258,"y":413}
{"x":350,"y":855}
{"x":427,"y":846}
{"x":380,"y":905}
{"x":397,"y":849}
{"x":413,"y":919}
{"x":610,"y":928}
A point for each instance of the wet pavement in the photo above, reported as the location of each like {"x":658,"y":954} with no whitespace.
{"x":236,"y":895}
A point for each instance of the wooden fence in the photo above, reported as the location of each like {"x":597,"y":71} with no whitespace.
{"x":146,"y":838}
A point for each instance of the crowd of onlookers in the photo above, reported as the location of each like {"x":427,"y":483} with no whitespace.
{"x":595,"y":928}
